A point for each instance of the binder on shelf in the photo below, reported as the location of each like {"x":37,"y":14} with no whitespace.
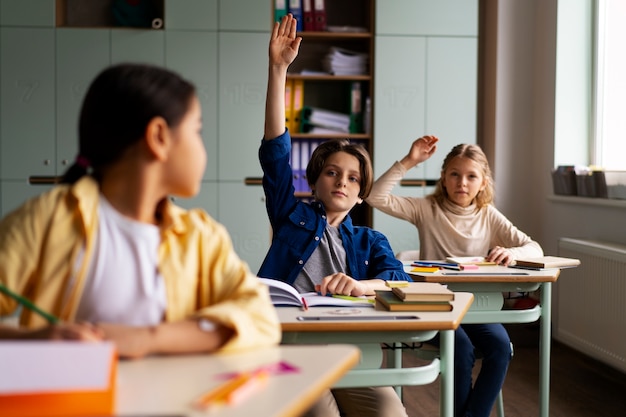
{"x":307,"y":15}
{"x":295,"y":8}
{"x":356,"y":108}
{"x":319,"y":15}
{"x":289,"y":120}
{"x":280,"y":9}
{"x":297,"y":104}
{"x":295,"y":163}
{"x":304,"y":161}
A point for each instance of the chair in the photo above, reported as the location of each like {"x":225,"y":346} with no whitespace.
{"x":430,"y":352}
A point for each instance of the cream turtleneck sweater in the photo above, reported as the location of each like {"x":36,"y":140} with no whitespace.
{"x":450,"y":230}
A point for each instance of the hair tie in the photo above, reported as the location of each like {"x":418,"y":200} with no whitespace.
{"x":82,"y":162}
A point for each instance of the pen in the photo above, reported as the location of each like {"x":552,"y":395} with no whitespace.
{"x":356,"y":318}
{"x":305,"y":306}
{"x":28,"y":304}
{"x":484,"y":273}
{"x":234,"y":390}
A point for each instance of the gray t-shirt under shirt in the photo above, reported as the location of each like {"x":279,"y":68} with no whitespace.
{"x":329,"y":258}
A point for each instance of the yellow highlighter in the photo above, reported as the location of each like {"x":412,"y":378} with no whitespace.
{"x":397,"y":284}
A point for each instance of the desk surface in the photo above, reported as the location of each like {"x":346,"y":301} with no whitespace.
{"x":167,"y":386}
{"x":491,"y":273}
{"x":342,"y":319}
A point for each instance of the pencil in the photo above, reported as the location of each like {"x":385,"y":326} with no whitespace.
{"x":29,"y":305}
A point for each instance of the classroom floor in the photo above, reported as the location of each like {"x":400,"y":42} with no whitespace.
{"x":580,"y":386}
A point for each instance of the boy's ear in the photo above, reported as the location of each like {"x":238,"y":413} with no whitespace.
{"x":158,"y":138}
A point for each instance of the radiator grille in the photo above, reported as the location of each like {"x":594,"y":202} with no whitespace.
{"x":591,"y":300}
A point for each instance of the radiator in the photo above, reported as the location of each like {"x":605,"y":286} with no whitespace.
{"x":591,"y":300}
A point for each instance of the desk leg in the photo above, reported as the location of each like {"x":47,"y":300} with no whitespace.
{"x":545,"y":341}
{"x":446,"y":394}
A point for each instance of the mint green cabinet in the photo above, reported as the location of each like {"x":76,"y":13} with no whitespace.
{"x":138,"y":46}
{"x":243,"y":81}
{"x":242,"y":211}
{"x":451,"y":68}
{"x":193,"y":54}
{"x":27,"y":13}
{"x":427,"y":17}
{"x":191,"y":15}
{"x":206,"y":199}
{"x":73,"y":77}
{"x":246,"y":15}
{"x":27,"y":106}
{"x":400,"y":88}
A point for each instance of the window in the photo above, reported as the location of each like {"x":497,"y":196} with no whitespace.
{"x":609,"y":147}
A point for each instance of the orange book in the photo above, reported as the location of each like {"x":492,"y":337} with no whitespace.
{"x":57,"y":379}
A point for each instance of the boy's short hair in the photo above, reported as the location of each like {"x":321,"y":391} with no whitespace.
{"x":325,"y":149}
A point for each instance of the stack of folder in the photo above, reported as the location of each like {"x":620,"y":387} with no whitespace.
{"x":416,"y":296}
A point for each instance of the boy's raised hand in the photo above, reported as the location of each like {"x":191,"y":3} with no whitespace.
{"x":284,"y":44}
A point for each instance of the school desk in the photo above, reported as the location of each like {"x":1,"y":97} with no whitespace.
{"x":488,"y":283}
{"x":368,"y":327}
{"x":168,"y":385}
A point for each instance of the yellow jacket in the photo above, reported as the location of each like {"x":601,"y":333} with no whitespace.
{"x":40,"y":242}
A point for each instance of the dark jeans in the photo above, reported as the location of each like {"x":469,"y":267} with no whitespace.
{"x":491,"y":342}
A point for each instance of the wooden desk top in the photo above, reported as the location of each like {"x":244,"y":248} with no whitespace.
{"x":491,"y":273}
{"x":369,"y":319}
{"x":168,"y":385}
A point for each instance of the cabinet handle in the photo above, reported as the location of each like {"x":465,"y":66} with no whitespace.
{"x":253,"y":181}
{"x":44,"y":179}
{"x":418,"y":183}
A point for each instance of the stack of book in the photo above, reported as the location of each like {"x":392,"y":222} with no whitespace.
{"x":416,"y":296}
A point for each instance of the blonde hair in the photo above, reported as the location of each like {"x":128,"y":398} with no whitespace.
{"x":476,"y":154}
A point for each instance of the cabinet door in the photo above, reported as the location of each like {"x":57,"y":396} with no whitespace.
{"x":80,"y":55}
{"x":206,"y":199}
{"x":137,"y":45}
{"x":242,"y":211}
{"x":243,"y":82}
{"x":246,"y":15}
{"x":190,"y":15}
{"x":399,"y":106}
{"x":427,"y":17}
{"x":14,"y":193}
{"x":27,"y":124}
{"x":193,"y":54}
{"x":451,"y":77}
{"x":401,"y":234}
{"x":31,"y":13}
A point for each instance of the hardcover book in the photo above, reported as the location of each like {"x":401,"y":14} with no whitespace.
{"x":424,"y":291}
{"x":390,"y":302}
{"x":548,"y":262}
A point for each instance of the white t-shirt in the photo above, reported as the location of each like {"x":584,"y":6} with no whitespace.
{"x":123,"y":283}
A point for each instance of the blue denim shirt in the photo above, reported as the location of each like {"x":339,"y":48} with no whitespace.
{"x":298,"y":227}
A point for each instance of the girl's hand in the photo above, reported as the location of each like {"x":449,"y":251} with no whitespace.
{"x":342,"y":284}
{"x":86,"y":332}
{"x":132,"y":342}
{"x":421,"y":149}
{"x":499,"y":255}
{"x":284,"y":44}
